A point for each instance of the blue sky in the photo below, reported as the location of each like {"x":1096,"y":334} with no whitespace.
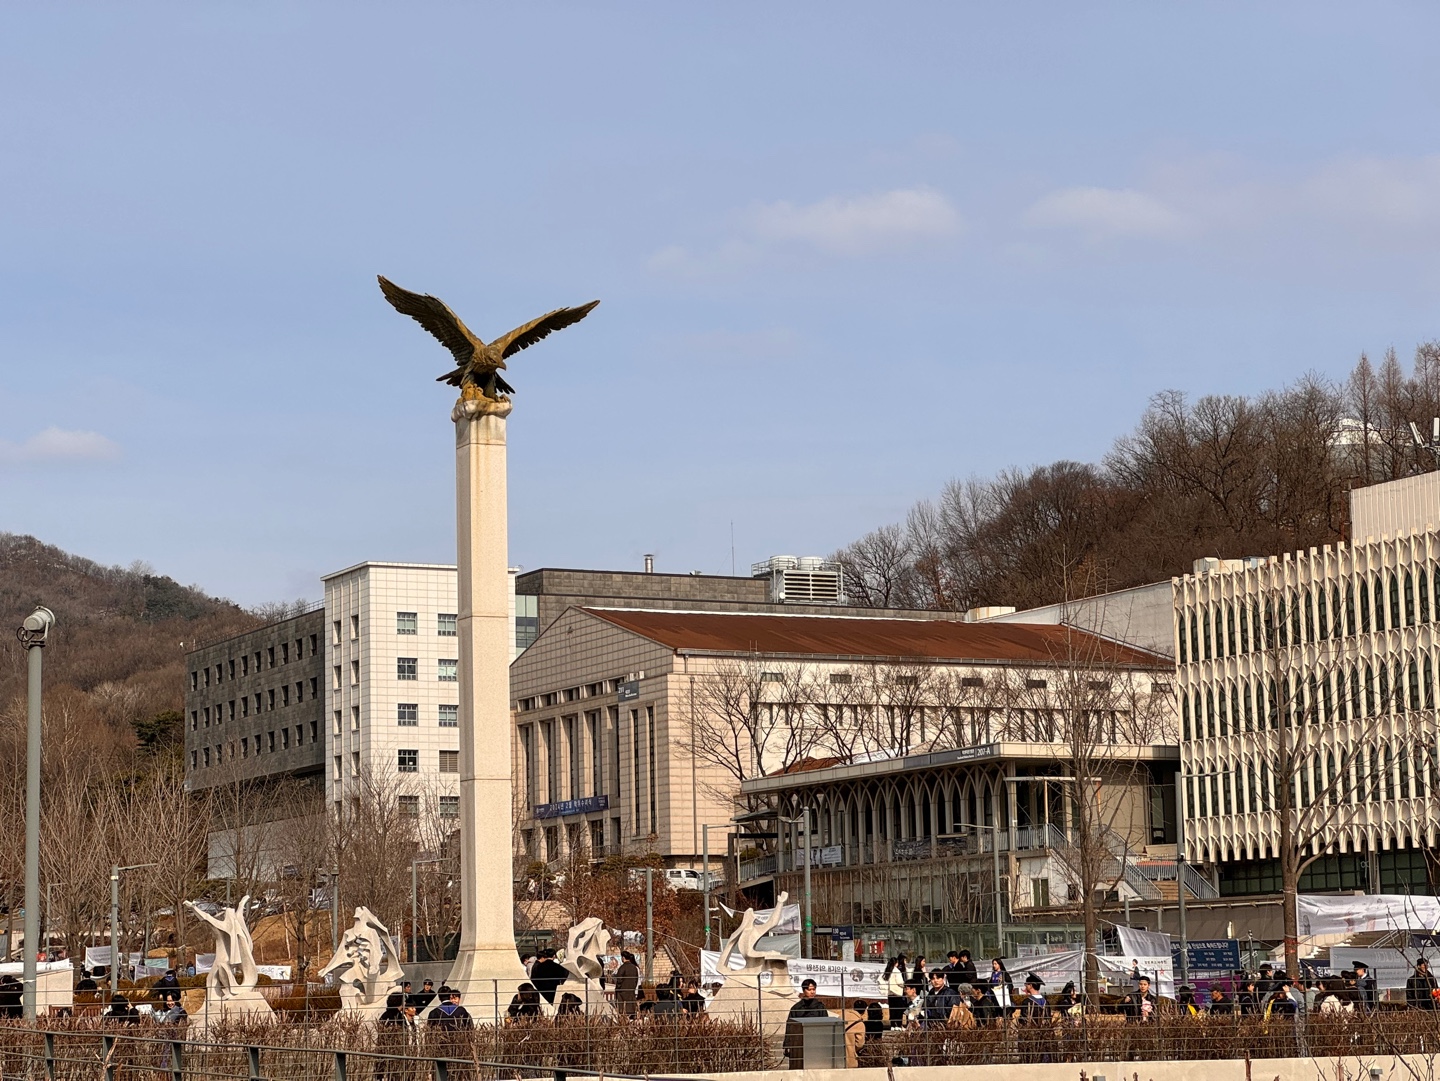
{"x":845,"y":252}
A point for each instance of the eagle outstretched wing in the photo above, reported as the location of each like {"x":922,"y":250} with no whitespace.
{"x":523,"y":337}
{"x":432,"y":314}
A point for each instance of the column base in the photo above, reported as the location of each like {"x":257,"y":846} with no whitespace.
{"x":487,"y":979}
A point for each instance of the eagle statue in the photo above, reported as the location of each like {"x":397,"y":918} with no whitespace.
{"x":478,"y":365}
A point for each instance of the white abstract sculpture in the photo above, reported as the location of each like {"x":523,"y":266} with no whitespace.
{"x":761,"y":988}
{"x":365,"y":965}
{"x":587,"y":941}
{"x":230,"y":995}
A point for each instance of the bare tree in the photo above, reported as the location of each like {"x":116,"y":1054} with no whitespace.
{"x":749,"y":719}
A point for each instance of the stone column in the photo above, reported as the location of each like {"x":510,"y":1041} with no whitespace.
{"x":487,"y":928}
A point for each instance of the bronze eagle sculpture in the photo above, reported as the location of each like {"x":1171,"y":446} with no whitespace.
{"x":477,"y":364}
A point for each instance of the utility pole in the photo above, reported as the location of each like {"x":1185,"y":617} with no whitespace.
{"x":1180,"y":879}
{"x":115,"y":870}
{"x":32,"y":634}
{"x":705,"y":876}
{"x":649,"y":924}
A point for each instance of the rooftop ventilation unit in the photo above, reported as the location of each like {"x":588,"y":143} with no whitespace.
{"x":806,"y":580}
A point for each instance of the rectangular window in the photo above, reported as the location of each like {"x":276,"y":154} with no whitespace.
{"x":299,"y":649}
{"x":232,"y":709}
{"x":285,"y":738}
{"x":232,"y":669}
{"x":245,"y":706}
{"x":407,"y":760}
{"x":270,"y":739}
{"x":597,"y":753}
{"x":651,"y":786}
{"x":270,"y":697}
{"x":445,"y":625}
{"x":527,"y":620}
{"x":449,"y":716}
{"x":335,"y":641}
{"x":407,"y":668}
{"x":299,"y":735}
{"x":270,"y":655}
{"x":300,"y":691}
{"x":207,"y":757}
{"x":207,"y":675}
{"x":410,"y":806}
{"x":354,"y":718}
{"x":207,"y":716}
{"x":449,"y":761}
{"x":337,"y":757}
{"x":449,"y":670}
{"x":573,"y":755}
{"x":285,"y":653}
{"x":337,"y":722}
{"x":527,"y":755}
{"x":285,"y":695}
{"x":193,"y":757}
{"x":194,"y":681}
{"x":314,"y":644}
{"x":244,"y":746}
{"x":354,"y":673}
{"x":354,"y":628}
{"x":407,"y":714}
{"x":245,"y":665}
{"x":615,"y":760}
{"x":314,"y":686}
{"x":552,"y":761}
{"x":336,"y":680}
{"x":407,"y":622}
{"x":194,"y":720}
{"x":258,"y":705}
{"x":449,"y":806}
{"x":635,"y":785}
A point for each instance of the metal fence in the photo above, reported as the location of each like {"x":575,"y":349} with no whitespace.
{"x":89,"y":1049}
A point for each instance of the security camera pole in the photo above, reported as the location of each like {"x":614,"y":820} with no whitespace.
{"x":32,"y":634}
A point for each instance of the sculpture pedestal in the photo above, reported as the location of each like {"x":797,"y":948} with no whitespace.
{"x":487,"y":969}
{"x":245,"y":1005}
{"x":761,"y":997}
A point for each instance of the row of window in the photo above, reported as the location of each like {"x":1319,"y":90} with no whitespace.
{"x":407,"y":715}
{"x":409,"y":806}
{"x":409,"y":623}
{"x":571,"y":694}
{"x":267,"y":743}
{"x":1295,"y":617}
{"x":263,"y":700}
{"x":268,"y":654}
{"x":1365,"y":690}
{"x":641,"y":745}
{"x":1345,"y":778}
{"x":447,"y":669}
{"x":408,"y":761}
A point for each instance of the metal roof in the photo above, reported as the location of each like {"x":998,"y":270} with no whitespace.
{"x":863,"y":637}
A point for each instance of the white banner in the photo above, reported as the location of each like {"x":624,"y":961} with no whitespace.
{"x":1137,"y":942}
{"x":1327,"y":915}
{"x":275,"y":972}
{"x":97,"y":955}
{"x":853,"y":979}
{"x":1058,"y":969}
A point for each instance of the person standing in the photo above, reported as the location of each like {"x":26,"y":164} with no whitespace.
{"x":983,"y":1005}
{"x":627,"y":984}
{"x":941,"y":999}
{"x":1141,"y":1005}
{"x":894,"y":980}
{"x":547,"y":975}
{"x":1420,"y":987}
{"x":450,"y":1015}
{"x":808,"y":1005}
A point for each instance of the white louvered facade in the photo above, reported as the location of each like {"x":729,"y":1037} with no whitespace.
{"x":1341,"y":643}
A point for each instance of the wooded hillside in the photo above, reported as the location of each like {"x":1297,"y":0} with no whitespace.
{"x":1222,"y":475}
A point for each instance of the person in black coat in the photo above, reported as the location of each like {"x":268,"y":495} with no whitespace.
{"x":548,"y":974}
{"x":1367,"y":994}
{"x":1219,"y":1005}
{"x":1141,"y":1005}
{"x":1420,"y":987}
{"x":808,"y":1005}
{"x":450,"y":1014}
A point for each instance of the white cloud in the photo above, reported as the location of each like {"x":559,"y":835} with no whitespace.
{"x":1380,"y":193}
{"x":845,"y":226}
{"x":860,"y":225}
{"x":59,"y":445}
{"x":1106,"y":214}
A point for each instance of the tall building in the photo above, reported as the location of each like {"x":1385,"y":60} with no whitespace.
{"x":1315,"y":672}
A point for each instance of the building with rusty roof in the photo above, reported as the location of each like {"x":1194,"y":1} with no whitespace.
{"x":635,"y":729}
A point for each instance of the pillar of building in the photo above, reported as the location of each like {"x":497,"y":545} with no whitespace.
{"x":487,"y":969}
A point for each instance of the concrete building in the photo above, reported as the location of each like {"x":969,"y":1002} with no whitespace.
{"x":625,"y":720}
{"x":1316,"y":671}
{"x":1143,"y":616}
{"x":254,"y":705}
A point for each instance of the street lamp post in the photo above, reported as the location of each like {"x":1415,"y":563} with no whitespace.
{"x":115,"y":922}
{"x":32,"y":634}
{"x":804,"y":820}
{"x":705,"y":873}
